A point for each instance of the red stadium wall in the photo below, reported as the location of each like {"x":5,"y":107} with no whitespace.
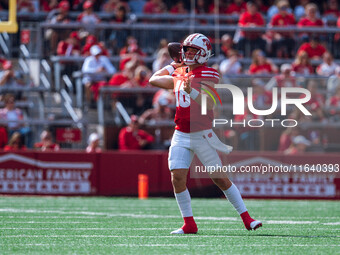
{"x":116,"y":173}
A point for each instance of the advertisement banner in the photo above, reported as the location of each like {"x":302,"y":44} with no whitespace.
{"x":47,"y":173}
{"x":114,"y":173}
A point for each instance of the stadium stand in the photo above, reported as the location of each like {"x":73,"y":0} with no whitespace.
{"x":55,"y":38}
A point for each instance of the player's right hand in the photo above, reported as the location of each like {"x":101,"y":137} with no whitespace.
{"x":187,"y":86}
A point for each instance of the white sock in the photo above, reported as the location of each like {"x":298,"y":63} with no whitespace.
{"x":184,"y":203}
{"x":234,"y":197}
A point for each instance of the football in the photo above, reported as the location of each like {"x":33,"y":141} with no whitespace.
{"x":174,"y":49}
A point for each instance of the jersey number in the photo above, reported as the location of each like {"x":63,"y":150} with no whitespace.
{"x":182,"y":98}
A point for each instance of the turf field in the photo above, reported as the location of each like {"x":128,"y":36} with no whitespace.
{"x":59,"y":225}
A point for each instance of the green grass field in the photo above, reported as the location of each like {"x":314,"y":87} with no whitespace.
{"x":95,"y":225}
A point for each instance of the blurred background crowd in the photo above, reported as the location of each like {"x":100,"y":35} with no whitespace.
{"x":94,"y":59}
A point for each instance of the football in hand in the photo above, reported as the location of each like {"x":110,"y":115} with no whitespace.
{"x":174,"y":49}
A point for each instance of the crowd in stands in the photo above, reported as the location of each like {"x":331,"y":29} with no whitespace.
{"x":302,"y":54}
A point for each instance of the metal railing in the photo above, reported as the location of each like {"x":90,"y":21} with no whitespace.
{"x":108,"y":90}
{"x":5,"y":44}
{"x":45,"y":74}
{"x":136,"y":17}
{"x":149,"y":34}
{"x":38,"y":125}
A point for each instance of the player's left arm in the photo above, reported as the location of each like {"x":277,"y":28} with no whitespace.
{"x":196,"y":95}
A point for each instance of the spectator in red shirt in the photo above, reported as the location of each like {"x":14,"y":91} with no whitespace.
{"x":46,"y":143}
{"x":120,"y":79}
{"x":130,"y":51}
{"x":3,"y":137}
{"x":301,"y":64}
{"x":251,"y":18}
{"x":60,"y":14}
{"x":154,"y":6}
{"x":283,"y":42}
{"x":314,"y":48}
{"x":179,"y":8}
{"x":217,"y":9}
{"x":25,"y":6}
{"x":201,"y":7}
{"x":237,"y":7}
{"x":15,"y":143}
{"x":112,"y":5}
{"x":123,"y":76}
{"x":48,"y":6}
{"x":141,"y":78}
{"x":260,"y":64}
{"x":90,"y":41}
{"x":138,"y":102}
{"x":120,"y":14}
{"x":337,"y":41}
{"x":311,"y":20}
{"x":133,"y":138}
{"x":263,"y":8}
{"x":88,"y":16}
{"x":57,"y":16}
{"x":69,"y":47}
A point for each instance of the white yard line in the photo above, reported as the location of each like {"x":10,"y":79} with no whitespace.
{"x":331,"y":223}
{"x":182,"y":245}
{"x":290,"y":222}
{"x":223,"y":222}
{"x":150,"y":216}
{"x":131,"y":215}
{"x":93,"y":217}
{"x":53,"y":222}
{"x":268,"y":220}
{"x":145,"y":237}
{"x":135,"y":229}
{"x":49,"y":217}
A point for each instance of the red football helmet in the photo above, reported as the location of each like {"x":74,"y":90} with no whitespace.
{"x":200,"y":42}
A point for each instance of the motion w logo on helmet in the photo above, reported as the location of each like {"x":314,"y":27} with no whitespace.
{"x":207,"y":44}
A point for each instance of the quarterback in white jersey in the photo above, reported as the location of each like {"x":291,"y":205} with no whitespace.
{"x":193,"y":133}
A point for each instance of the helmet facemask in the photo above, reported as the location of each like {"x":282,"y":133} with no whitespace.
{"x":195,"y":58}
{"x":199,"y":42}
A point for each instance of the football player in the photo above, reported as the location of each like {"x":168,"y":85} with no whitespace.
{"x":193,"y":132}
